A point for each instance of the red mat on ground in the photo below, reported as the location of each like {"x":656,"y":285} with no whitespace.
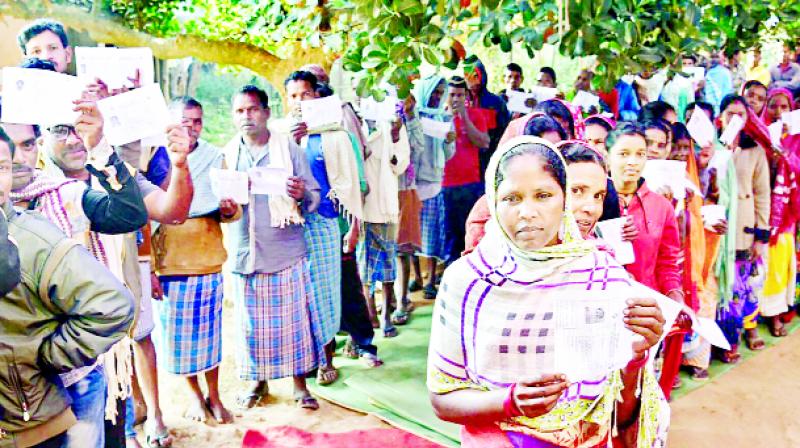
{"x":289,"y":437}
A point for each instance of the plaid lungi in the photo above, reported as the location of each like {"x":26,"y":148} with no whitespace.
{"x":274,"y":324}
{"x":377,"y":253}
{"x":433,"y":228}
{"x":189,"y":336}
{"x":324,"y":242}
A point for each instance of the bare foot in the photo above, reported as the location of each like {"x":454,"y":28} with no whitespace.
{"x":131,"y":442}
{"x":218,"y":410}
{"x":196,"y":411}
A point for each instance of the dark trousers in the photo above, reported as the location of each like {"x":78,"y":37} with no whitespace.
{"x":355,"y":317}
{"x":458,"y":202}
{"x":115,"y":433}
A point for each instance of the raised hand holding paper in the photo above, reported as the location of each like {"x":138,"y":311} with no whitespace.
{"x":793,"y":120}
{"x":323,"y":111}
{"x":611,"y":232}
{"x":667,"y":173}
{"x":775,"y":133}
{"x":520,"y":101}
{"x":697,"y":73}
{"x":735,"y":125}
{"x":43,"y":97}
{"x":586,"y":100}
{"x":434,"y":128}
{"x":543,"y":93}
{"x":114,"y":65}
{"x":230,"y":184}
{"x":378,"y":111}
{"x":701,"y":128}
{"x":134,"y":115}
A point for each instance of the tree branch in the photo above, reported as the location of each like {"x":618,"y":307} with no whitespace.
{"x":103,"y":28}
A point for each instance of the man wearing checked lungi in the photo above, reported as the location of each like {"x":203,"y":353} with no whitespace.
{"x":270,"y":264}
{"x":188,"y":259}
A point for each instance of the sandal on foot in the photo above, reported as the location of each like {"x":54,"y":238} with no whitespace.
{"x":414,"y":286}
{"x":157,"y":439}
{"x":730,"y":356}
{"x":698,"y":374}
{"x":370,"y":360}
{"x":754,"y":343}
{"x":327,"y":375}
{"x":389,"y":332}
{"x":306,"y":401}
{"x":349,"y":350}
{"x":250,"y":399}
{"x":776,"y":328}
{"x":399,"y":317}
{"x":429,"y":292}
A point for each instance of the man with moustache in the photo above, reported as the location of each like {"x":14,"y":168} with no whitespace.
{"x":66,"y":311}
{"x":270,"y":265}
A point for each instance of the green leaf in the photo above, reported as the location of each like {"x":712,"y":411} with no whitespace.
{"x":433,"y":56}
{"x":409,"y":7}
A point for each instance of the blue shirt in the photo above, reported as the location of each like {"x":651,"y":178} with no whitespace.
{"x":316,"y":162}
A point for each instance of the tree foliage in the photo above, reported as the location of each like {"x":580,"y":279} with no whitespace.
{"x":386,"y":40}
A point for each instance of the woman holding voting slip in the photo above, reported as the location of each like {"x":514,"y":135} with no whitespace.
{"x":655,"y":238}
{"x":500,"y":310}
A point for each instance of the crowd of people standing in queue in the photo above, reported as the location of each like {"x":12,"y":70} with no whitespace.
{"x":101,"y":245}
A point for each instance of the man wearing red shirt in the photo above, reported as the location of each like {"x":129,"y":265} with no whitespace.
{"x":462,"y":184}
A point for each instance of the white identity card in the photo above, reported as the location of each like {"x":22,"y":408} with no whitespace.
{"x":378,"y":111}
{"x":32,"y":96}
{"x":701,"y":128}
{"x":735,"y":125}
{"x":114,"y":66}
{"x":611,"y":232}
{"x":697,"y":73}
{"x":544,"y":93}
{"x":793,"y":120}
{"x":268,"y":180}
{"x":435,"y":128}
{"x":230,"y":184}
{"x":521,"y":102}
{"x":713,"y":215}
{"x":667,"y":173}
{"x":776,"y":133}
{"x":134,"y":115}
{"x":586,"y":101}
{"x":590,"y":337}
{"x":323,"y":111}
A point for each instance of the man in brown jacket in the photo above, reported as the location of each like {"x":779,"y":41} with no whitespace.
{"x":67,"y":310}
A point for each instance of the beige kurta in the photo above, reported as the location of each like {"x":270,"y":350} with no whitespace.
{"x":752,"y":172}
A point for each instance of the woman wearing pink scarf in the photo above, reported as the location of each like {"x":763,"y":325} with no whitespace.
{"x":779,"y":292}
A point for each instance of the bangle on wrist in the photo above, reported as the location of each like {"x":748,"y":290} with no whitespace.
{"x":636,"y":364}
{"x":510,"y":408}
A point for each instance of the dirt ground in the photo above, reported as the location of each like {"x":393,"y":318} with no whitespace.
{"x":752,"y":406}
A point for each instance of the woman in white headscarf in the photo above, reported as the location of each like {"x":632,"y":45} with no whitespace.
{"x":491,"y":358}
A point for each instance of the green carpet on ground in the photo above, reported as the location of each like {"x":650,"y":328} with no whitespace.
{"x":396,"y":392}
